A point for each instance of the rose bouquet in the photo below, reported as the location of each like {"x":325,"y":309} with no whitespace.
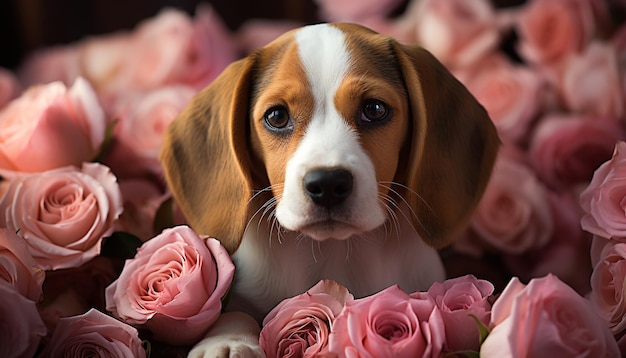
{"x":86,"y":265}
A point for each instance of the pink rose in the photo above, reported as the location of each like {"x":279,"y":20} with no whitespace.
{"x":513,"y":215}
{"x":21,"y":326}
{"x":142,"y":121}
{"x":457,"y":32}
{"x":608,"y":292}
{"x":512,"y":95}
{"x":84,"y":335}
{"x":169,"y":48}
{"x":459,"y":299}
{"x":546,"y":317}
{"x":51,"y":126}
{"x":173,"y":286}
{"x":9,"y":86}
{"x":389,"y":323}
{"x":604,"y":199}
{"x":566,"y":149}
{"x":591,"y":83}
{"x":17,"y":266}
{"x":354,"y":10}
{"x":552,"y":30}
{"x":63,"y":214}
{"x":300,"y":326}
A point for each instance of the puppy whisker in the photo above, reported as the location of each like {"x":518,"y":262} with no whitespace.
{"x":402,"y":199}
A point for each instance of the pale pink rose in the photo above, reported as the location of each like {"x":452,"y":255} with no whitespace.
{"x":17,"y":266}
{"x":63,"y":213}
{"x":608,"y":289}
{"x":389,"y":323}
{"x":51,"y":126}
{"x":460,"y":301}
{"x":300,"y":326}
{"x":173,"y":48}
{"x":457,"y":32}
{"x":142,"y":200}
{"x":173,"y":286}
{"x":550,"y":31}
{"x":604,"y":199}
{"x":93,"y":333}
{"x":513,"y":216}
{"x":566,"y":149}
{"x":512,"y":95}
{"x":21,"y":326}
{"x":354,"y":10}
{"x":591,"y":82}
{"x":142,"y":119}
{"x":546,"y":318}
{"x":9,"y":86}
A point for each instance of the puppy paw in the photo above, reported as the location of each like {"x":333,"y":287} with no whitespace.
{"x":226,"y":348}
{"x":234,"y":335}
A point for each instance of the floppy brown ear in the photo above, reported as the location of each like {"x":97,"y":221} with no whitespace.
{"x":453,"y":146}
{"x":205,"y":157}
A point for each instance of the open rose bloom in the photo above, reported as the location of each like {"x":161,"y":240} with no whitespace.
{"x":51,"y":126}
{"x":63,"y":214}
{"x":173,"y":286}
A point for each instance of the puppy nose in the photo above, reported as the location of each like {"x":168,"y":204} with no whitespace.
{"x":328,"y":187}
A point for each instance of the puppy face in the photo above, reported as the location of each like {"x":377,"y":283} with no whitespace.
{"x":329,"y":121}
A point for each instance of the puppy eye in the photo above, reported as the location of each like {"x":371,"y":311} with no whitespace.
{"x":374,"y":111}
{"x":277,"y":118}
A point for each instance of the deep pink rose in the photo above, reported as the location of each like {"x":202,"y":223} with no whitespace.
{"x":63,"y":213}
{"x":354,"y":10}
{"x":512,"y":95}
{"x":256,"y":33}
{"x":458,"y":299}
{"x":17,"y":266}
{"x":389,"y":323}
{"x":546,"y":318}
{"x":9,"y":86}
{"x":552,"y":30}
{"x":566,"y":149}
{"x":142,"y":119}
{"x":591,"y":82}
{"x":73,"y":291}
{"x":604,"y":199}
{"x":51,"y":126}
{"x":513,"y":215}
{"x":50,"y":64}
{"x":457,"y":32}
{"x":93,"y":333}
{"x":20,"y":324}
{"x":142,"y":200}
{"x":608,"y":289}
{"x":300,"y":326}
{"x":173,"y":286}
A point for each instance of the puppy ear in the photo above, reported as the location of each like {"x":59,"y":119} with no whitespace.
{"x":206,"y":160}
{"x":452,"y":150}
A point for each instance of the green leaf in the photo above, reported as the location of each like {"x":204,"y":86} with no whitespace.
{"x":482,"y":329}
{"x":120,"y":245}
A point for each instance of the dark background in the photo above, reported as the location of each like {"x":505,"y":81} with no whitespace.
{"x":26,"y":25}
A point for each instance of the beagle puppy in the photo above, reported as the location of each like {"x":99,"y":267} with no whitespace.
{"x":332,"y":153}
